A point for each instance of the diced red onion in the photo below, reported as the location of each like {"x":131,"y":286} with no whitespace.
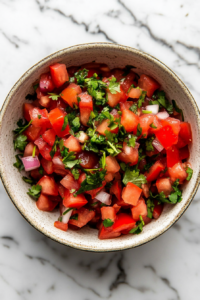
{"x":103,"y":197}
{"x":162,"y":115}
{"x":153,"y":108}
{"x":30,"y":163}
{"x":82,"y":137}
{"x":157,"y":145}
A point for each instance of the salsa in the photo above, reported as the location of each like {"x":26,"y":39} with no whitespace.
{"x":104,"y":146}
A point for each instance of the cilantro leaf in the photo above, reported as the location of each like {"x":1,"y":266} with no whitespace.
{"x":54,"y":147}
{"x":107,"y":223}
{"x":177,"y":195}
{"x":96,"y":88}
{"x":36,"y":86}
{"x":130,"y":140}
{"x":35,"y":191}
{"x":133,"y":108}
{"x":139,"y":228}
{"x":153,"y":126}
{"x":73,"y":121}
{"x":102,"y":161}
{"x":114,"y":86}
{"x":74,"y":217}
{"x":190,"y":172}
{"x":162,"y":101}
{"x":65,"y":123}
{"x":80,"y":76}
{"x":139,"y":130}
{"x":21,"y":126}
{"x":19,"y":164}
{"x":141,"y":99}
{"x":148,"y":144}
{"x":177,"y":109}
{"x":20,"y":142}
{"x":54,"y":97}
{"x":41,"y":170}
{"x":148,"y":165}
{"x":150,"y":208}
{"x":28,"y":180}
{"x":69,"y":158}
{"x":92,"y":181}
{"x":134,"y":177}
{"x":75,"y":173}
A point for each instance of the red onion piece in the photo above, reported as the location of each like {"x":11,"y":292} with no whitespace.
{"x":103,"y":197}
{"x":46,"y":84}
{"x":30,"y":163}
{"x":153,"y":108}
{"x":157,"y":145}
{"x":163,"y":115}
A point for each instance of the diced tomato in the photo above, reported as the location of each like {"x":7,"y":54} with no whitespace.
{"x":146,"y":220}
{"x":174,"y":123}
{"x":184,"y":153}
{"x":177,"y":172}
{"x":70,"y":94}
{"x":84,"y":216}
{"x":58,"y":166}
{"x":69,"y":182}
{"x":123,"y":222}
{"x":107,"y":233}
{"x":155,"y":170}
{"x":129,"y":80}
{"x":49,"y":136}
{"x":125,"y":105}
{"x":114,"y":99}
{"x":101,"y":128}
{"x":145,"y":122}
{"x":82,"y":177}
{"x":172,"y":156}
{"x":116,"y":189}
{"x":108,"y":213}
{"x":59,"y":74}
{"x":156,"y":123}
{"x":61,"y":226}
{"x":129,"y":120}
{"x":145,"y":190}
{"x":166,"y":136}
{"x":40,"y":143}
{"x":157,"y":211}
{"x":131,"y":193}
{"x":116,"y":207}
{"x":61,"y":190}
{"x":26,"y":109}
{"x":32,"y":133}
{"x":185,"y":135}
{"x":28,"y":151}
{"x":89,"y":159}
{"x":94,"y":192}
{"x":47,"y":165}
{"x":36,"y":174}
{"x":128,"y":155}
{"x":56,"y":117}
{"x":85,"y":106}
{"x":40,"y":118}
{"x":115,"y":114}
{"x":72,"y":144}
{"x":61,"y":105}
{"x":45,"y":204}
{"x":135,"y":93}
{"x":75,"y":202}
{"x":109,"y":177}
{"x":45,"y":101}
{"x":148,"y":84}
{"x":92,"y":71}
{"x":121,"y":203}
{"x":49,"y":187}
{"x":112,"y":164}
{"x":45,"y":152}
{"x":139,"y":210}
{"x":164,"y":185}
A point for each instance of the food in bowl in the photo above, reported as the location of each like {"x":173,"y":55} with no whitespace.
{"x":106,"y":146}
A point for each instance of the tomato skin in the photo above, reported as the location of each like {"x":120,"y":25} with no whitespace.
{"x":47,"y":166}
{"x":26,"y":109}
{"x":45,"y":204}
{"x":75,"y":202}
{"x":39,"y":118}
{"x":148,"y":84}
{"x":112,"y":164}
{"x":125,"y":105}
{"x":129,"y":80}
{"x":56,"y":117}
{"x":107,"y":233}
{"x":88,"y":159}
{"x":61,"y":226}
{"x":168,"y":134}
{"x":28,"y":151}
{"x":134,"y":93}
{"x":131,"y":193}
{"x":84,"y":216}
{"x":46,"y":84}
{"x":108,"y":213}
{"x":70,"y":94}
{"x":128,"y":155}
{"x":157,"y":211}
{"x":94,"y":192}
{"x":172,"y":156}
{"x":72,"y":144}
{"x":129,"y":120}
{"x":154,"y":171}
{"x":145,"y":121}
{"x":35,"y":174}
{"x":59,"y":74}
{"x":139,"y":210}
{"x":45,"y":101}
{"x":116,"y":189}
{"x":164,"y":185}
{"x":184,"y":153}
{"x":49,"y":136}
{"x":185,"y":135}
{"x":32,"y":133}
{"x":123,"y":222}
{"x":177,"y":172}
{"x":114,"y":99}
{"x":85,"y":106}
{"x":49,"y":187}
{"x":69,"y":182}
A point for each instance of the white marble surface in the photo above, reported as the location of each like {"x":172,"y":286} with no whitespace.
{"x":34,"y":267}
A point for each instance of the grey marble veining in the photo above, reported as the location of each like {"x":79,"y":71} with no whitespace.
{"x":34,"y":267}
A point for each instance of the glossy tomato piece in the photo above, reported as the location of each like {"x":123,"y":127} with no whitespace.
{"x":145,"y":122}
{"x":172,"y":156}
{"x":128,"y":155}
{"x":84,"y":216}
{"x":101,"y":128}
{"x":49,"y":136}
{"x":108,"y":213}
{"x":109,"y":177}
{"x":135,"y":93}
{"x":40,"y":143}
{"x":125,"y":105}
{"x":46,"y":84}
{"x":148,"y":84}
{"x":26,"y":109}
{"x":70,"y":94}
{"x":70,"y":183}
{"x":157,"y":211}
{"x":185,"y":135}
{"x":56,"y":117}
{"x":107,"y":233}
{"x":129,"y":120}
{"x":59,"y":74}
{"x":139,"y":210}
{"x":114,"y":99}
{"x":85,"y":106}
{"x":94,"y":192}
{"x":71,"y":201}
{"x":45,"y":101}
{"x":131,"y":193}
{"x":28,"y":151}
{"x":58,"y":166}
{"x":45,"y":204}
{"x":129,"y":80}
{"x":112,"y":165}
{"x":89,"y":160}
{"x":164,"y":185}
{"x":154,"y":171}
{"x":40,"y":118}
{"x":47,"y":166}
{"x":168,"y":134}
{"x":116,"y":189}
{"x":45,"y":152}
{"x":72,"y":144}
{"x":177,"y":172}
{"x":123,"y":222}
{"x":61,"y":225}
{"x":184,"y":153}
{"x":49,"y":187}
{"x":32,"y":133}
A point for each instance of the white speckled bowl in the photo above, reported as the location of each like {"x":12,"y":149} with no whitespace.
{"x":114,"y":56}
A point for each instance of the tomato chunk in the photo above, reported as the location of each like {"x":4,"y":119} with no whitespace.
{"x":49,"y":187}
{"x":172,"y":156}
{"x":154,"y":171}
{"x":49,"y":136}
{"x":70,"y":94}
{"x":26,"y":109}
{"x":45,"y":204}
{"x":75,"y":202}
{"x":108,"y":213}
{"x":139,"y":210}
{"x":59,"y":74}
{"x":89,"y":159}
{"x":72,"y":144}
{"x":128,"y":155}
{"x":40,"y":118}
{"x":107,"y":233}
{"x":177,"y":172}
{"x":129,"y":120}
{"x":164,"y":185}
{"x":148,"y":84}
{"x":85,"y":106}
{"x":123,"y":222}
{"x":32,"y":133}
{"x":28,"y":151}
{"x":157,"y":211}
{"x":131,"y":193}
{"x":112,"y":164}
{"x":69,"y":182}
{"x":116,"y":189}
{"x":47,"y":165}
{"x":56,"y":117}
{"x":135,"y":93}
{"x":61,"y":226}
{"x":184,"y":153}
{"x":84,"y":216}
{"x":185,"y":135}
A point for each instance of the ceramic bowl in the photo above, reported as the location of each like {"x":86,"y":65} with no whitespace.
{"x":114,"y":56}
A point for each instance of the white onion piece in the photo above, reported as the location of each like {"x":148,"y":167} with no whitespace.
{"x":82,"y":137}
{"x":157,"y":145}
{"x":103,"y":197}
{"x":163,"y":115}
{"x":30,"y":163}
{"x":66,"y":217}
{"x":153,"y":108}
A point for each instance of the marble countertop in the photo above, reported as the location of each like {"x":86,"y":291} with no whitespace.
{"x":34,"y":267}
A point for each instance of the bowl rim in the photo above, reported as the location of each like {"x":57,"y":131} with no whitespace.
{"x":102,"y":45}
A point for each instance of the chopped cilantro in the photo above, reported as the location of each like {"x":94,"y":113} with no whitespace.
{"x":114,"y":86}
{"x":28,"y":180}
{"x":35,"y":191}
{"x":65,"y":123}
{"x":150,"y":208}
{"x":96,"y":88}
{"x":75,"y":173}
{"x":54,"y":97}
{"x":41,"y":170}
{"x":177,"y":109}
{"x":102,"y":161}
{"x":148,"y":165}
{"x":69,"y":158}
{"x":130,"y":140}
{"x":189,"y":171}
{"x":92,"y":181}
{"x":153,"y":126}
{"x":133,"y":108}
{"x":148,"y":144}
{"x":36,"y":86}
{"x":21,"y":126}
{"x":107,"y":223}
{"x":135,"y":177}
{"x":139,"y":130}
{"x":18,"y":164}
{"x":54,"y":147}
{"x":39,"y":116}
{"x":80,"y":76}
{"x":131,"y":87}
{"x":162,"y":101}
{"x":94,"y":204}
{"x":74,"y":217}
{"x":139,"y":228}
{"x":20,"y":142}
{"x":142,"y":98}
